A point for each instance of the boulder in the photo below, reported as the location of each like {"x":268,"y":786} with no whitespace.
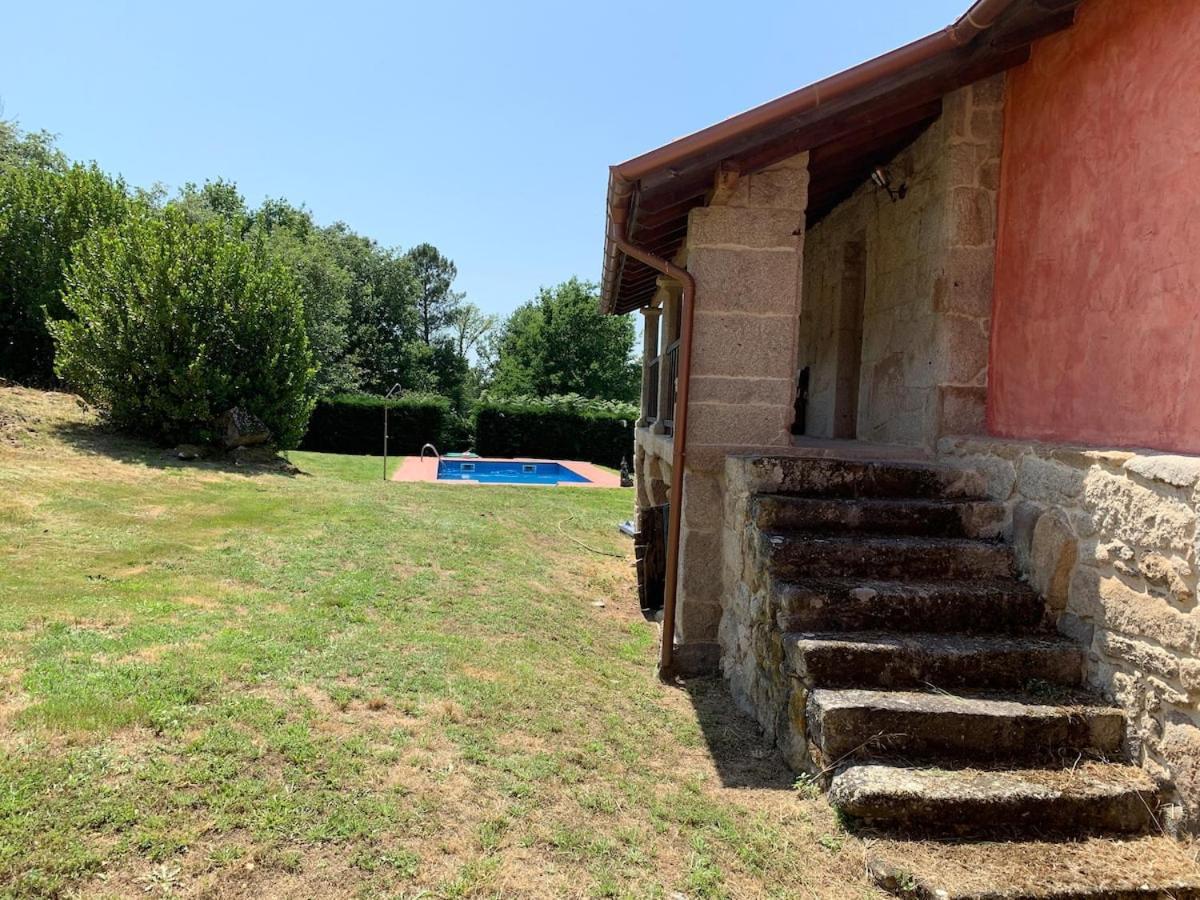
{"x":240,"y":428}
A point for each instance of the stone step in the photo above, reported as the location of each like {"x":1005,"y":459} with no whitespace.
{"x":1090,"y":798}
{"x":986,"y":606}
{"x":876,"y":659}
{"x":845,"y":724}
{"x":815,"y":477}
{"x":888,"y":557}
{"x":935,"y":518}
{"x":1148,"y":868}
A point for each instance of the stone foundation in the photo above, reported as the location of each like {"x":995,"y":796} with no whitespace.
{"x":1110,"y":539}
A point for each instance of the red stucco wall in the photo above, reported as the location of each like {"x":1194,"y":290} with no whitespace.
{"x":1096,"y":314}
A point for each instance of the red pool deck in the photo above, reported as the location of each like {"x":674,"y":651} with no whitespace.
{"x":416,"y":468}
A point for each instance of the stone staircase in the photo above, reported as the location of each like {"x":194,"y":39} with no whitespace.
{"x":934,"y":700}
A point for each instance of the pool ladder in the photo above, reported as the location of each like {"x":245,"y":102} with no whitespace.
{"x":434,"y":449}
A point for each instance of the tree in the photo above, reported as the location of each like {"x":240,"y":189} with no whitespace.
{"x":384,"y":328}
{"x":44,"y":211}
{"x":20,"y":150}
{"x":434,"y":275}
{"x":177,"y":321}
{"x":324,"y":286}
{"x":469,"y":325}
{"x":560,"y":343}
{"x":218,"y":199}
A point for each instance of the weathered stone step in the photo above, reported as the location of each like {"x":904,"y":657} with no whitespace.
{"x":931,"y":517}
{"x":986,"y":606}
{"x":875,"y":659}
{"x":845,"y":724}
{"x":1091,"y":869}
{"x":874,"y":478}
{"x":1092,"y":797}
{"x":791,"y":554}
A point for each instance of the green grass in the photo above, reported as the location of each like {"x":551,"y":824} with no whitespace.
{"x":220,"y":681}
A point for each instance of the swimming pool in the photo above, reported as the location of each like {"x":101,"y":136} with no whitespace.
{"x":507,"y":472}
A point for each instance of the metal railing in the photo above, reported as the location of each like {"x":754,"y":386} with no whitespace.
{"x":668,"y":402}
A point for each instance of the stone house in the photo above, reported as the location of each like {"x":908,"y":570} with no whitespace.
{"x":920,"y":409}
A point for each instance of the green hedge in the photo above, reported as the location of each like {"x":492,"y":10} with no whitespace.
{"x":352,"y":423}
{"x":566,"y":427}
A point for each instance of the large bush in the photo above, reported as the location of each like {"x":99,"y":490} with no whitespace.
{"x":43,"y":213}
{"x":177,"y":321}
{"x":353,"y":423}
{"x":557,"y":427}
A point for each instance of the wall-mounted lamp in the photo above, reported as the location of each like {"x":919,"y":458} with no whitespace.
{"x":883,"y":180}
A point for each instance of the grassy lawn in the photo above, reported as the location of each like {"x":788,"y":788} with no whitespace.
{"x":220,"y":682}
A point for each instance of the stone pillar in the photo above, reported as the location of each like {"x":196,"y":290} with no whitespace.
{"x":670,"y":331}
{"x":650,"y":317}
{"x":745,"y":251}
{"x":974,"y":119}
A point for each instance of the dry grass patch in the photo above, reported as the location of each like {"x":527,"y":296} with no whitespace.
{"x":242,"y":683}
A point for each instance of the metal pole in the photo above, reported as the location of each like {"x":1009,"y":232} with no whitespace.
{"x":386,"y":398}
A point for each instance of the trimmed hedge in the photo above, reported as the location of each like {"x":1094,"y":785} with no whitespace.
{"x":353,"y":423}
{"x":566,"y":427}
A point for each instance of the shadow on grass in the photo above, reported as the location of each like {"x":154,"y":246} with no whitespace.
{"x":99,"y":440}
{"x":744,"y":757}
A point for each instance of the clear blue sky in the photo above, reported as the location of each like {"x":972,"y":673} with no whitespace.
{"x":485,"y":128}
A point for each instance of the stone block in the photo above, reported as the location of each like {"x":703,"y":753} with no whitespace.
{"x":969,"y":272}
{"x":1139,"y":515}
{"x":703,"y":503}
{"x":987,"y":124}
{"x":973,"y":214}
{"x":696,"y":658}
{"x":697,"y":622}
{"x":988,"y":92}
{"x":1178,"y":471}
{"x":748,"y":281}
{"x":779,"y":188}
{"x":762,"y":391}
{"x":964,"y":348}
{"x":1044,"y":481}
{"x":963,"y":410}
{"x":1077,"y":629}
{"x":731,"y":344}
{"x":722,"y":226}
{"x":701,"y":568}
{"x":1135,"y":613}
{"x":1053,"y":554}
{"x":989,"y":175}
{"x":739,"y":425}
{"x":1141,"y":655}
{"x":1170,"y":572}
{"x":1180,"y":751}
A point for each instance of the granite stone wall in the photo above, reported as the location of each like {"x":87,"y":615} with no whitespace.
{"x":898,"y":294}
{"x":1110,"y":539}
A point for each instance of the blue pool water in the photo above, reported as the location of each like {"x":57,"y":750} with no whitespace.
{"x":504,"y":472}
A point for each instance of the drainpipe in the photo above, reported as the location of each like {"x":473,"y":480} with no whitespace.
{"x":617,"y":224}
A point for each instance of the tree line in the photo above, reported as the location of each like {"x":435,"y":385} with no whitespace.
{"x":159,"y":307}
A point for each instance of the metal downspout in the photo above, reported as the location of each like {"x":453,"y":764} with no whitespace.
{"x":666,"y":656}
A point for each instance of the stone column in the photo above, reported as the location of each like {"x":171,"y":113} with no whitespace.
{"x":745,"y":252}
{"x":974,"y":122}
{"x":650,"y":317}
{"x":670,"y":331}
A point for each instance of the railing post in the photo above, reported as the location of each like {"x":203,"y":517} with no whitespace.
{"x":651,"y":399}
{"x":669,"y":333}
